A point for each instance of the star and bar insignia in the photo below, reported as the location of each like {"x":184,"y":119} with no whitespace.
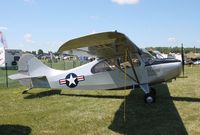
{"x":71,"y":80}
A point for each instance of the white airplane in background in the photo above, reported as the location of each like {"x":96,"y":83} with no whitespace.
{"x":117,"y":57}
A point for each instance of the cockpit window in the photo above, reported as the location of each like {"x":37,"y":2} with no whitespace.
{"x":146,"y":56}
{"x":156,"y":54}
{"x":121,"y":62}
{"x":102,"y":66}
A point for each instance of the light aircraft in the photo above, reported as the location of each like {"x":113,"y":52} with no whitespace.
{"x":117,"y":58}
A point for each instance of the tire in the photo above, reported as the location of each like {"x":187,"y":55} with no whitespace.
{"x":149,"y":98}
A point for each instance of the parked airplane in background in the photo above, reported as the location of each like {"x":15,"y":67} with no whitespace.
{"x":117,"y":57}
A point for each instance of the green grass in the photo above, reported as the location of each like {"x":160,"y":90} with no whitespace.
{"x":63,"y":112}
{"x":11,"y":83}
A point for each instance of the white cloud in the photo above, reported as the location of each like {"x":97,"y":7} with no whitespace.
{"x":123,"y":2}
{"x":3,"y":28}
{"x":198,"y":41}
{"x":28,"y":38}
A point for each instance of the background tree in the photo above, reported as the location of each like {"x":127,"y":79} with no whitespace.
{"x":40,"y":52}
{"x":33,"y":52}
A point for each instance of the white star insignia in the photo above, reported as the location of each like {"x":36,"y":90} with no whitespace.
{"x":71,"y":80}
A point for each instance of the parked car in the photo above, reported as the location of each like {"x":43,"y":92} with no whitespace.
{"x":196,"y":62}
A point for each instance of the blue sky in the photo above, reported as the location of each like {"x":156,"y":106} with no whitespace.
{"x":46,"y":24}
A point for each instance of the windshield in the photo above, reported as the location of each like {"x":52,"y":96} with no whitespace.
{"x":146,"y":56}
{"x":156,"y":54}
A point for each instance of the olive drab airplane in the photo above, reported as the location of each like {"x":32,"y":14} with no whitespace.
{"x":116,"y":57}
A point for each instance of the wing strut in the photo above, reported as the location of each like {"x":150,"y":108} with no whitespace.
{"x":124,"y":72}
{"x":132,"y":66}
{"x":149,"y":94}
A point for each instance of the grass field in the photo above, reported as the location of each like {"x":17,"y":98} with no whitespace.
{"x":63,"y":112}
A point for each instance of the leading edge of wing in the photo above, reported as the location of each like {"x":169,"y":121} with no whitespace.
{"x":101,"y":44}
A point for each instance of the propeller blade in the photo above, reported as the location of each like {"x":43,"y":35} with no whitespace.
{"x":182,"y":57}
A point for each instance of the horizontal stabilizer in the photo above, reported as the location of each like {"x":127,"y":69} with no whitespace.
{"x":20,"y":76}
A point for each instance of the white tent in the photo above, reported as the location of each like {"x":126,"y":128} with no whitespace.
{"x":9,"y":56}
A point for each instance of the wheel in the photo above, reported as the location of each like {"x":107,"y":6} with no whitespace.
{"x":150,"y":98}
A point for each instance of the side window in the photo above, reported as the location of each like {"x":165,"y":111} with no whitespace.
{"x":102,"y":66}
{"x":134,"y":60}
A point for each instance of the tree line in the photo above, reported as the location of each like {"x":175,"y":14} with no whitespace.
{"x":168,"y":50}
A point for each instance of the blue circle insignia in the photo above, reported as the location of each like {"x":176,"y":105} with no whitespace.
{"x":71,"y":80}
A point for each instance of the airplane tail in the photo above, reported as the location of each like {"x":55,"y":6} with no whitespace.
{"x":31,"y":71}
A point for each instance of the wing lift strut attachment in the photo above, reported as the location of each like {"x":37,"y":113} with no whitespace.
{"x":150,"y":93}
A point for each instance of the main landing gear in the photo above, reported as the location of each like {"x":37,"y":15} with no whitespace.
{"x":150,"y":97}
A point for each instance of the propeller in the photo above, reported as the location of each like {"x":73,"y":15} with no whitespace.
{"x":182,"y":57}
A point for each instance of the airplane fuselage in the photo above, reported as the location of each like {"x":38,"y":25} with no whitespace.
{"x":85,"y":76}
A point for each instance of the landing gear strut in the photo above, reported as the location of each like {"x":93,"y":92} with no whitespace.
{"x":150,"y":97}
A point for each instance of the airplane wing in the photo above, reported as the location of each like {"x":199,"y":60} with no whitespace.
{"x":103,"y":45}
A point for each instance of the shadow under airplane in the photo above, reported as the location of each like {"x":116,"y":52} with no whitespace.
{"x":94,"y":96}
{"x":58,"y":92}
{"x":8,"y":129}
{"x":187,"y":99}
{"x":135,"y":117}
{"x":42,"y":94}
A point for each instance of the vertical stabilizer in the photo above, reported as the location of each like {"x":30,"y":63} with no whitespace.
{"x":30,"y":69}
